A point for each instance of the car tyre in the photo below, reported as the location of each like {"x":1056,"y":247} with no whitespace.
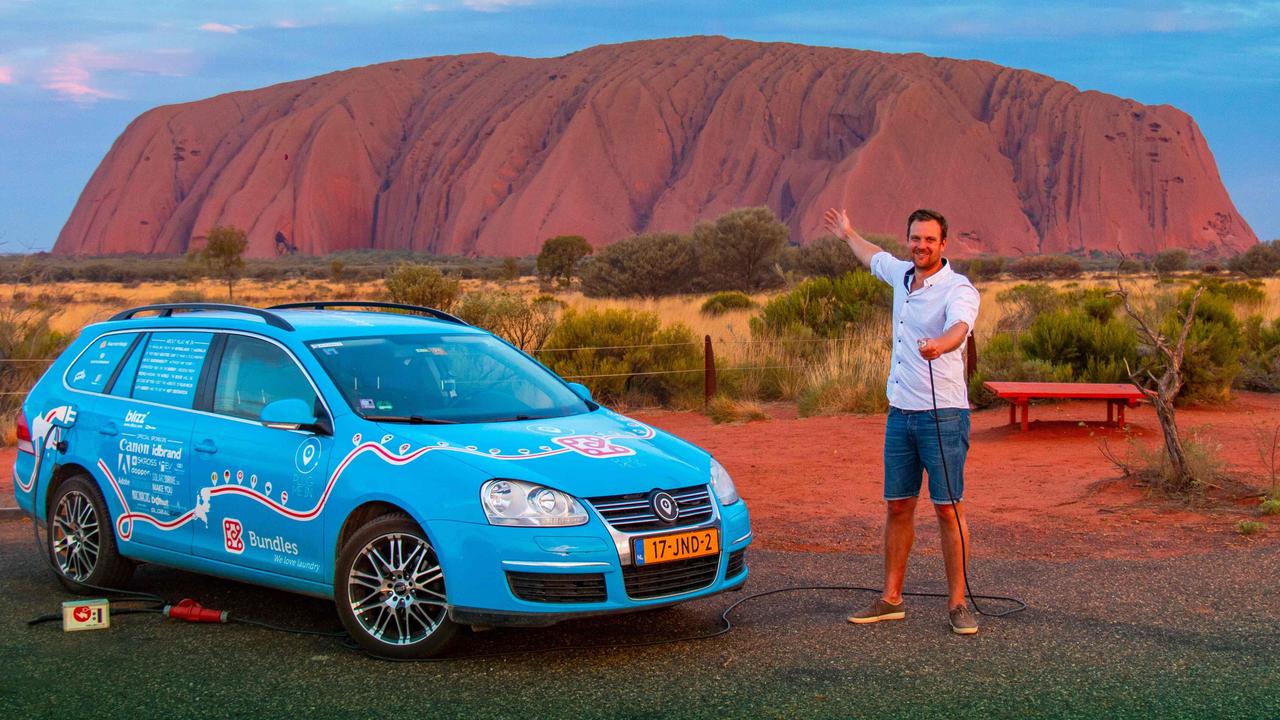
{"x":389,"y":590}
{"x":81,"y":541}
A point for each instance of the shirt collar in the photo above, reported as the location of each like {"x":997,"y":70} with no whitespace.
{"x":943,"y":273}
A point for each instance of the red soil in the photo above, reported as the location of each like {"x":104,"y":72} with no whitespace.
{"x":815,"y":483}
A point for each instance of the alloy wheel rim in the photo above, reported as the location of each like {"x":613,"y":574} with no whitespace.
{"x":76,"y":541}
{"x":396,"y":589}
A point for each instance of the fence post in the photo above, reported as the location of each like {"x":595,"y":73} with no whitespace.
{"x":709,"y":369}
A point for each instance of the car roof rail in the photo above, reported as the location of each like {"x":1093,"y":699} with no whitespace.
{"x":322,"y":304}
{"x":167,"y":310}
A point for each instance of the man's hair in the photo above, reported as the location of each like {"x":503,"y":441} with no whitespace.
{"x":926,"y":214}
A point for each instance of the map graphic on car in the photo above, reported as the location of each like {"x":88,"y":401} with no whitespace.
{"x":422,"y":473}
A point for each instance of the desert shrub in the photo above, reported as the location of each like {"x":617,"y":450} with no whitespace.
{"x":634,"y":343}
{"x":1249,"y":527}
{"x":1001,"y":359}
{"x":1246,"y":294}
{"x":1171,"y":260}
{"x":723,"y":409}
{"x":560,"y":256}
{"x":1023,"y":303}
{"x":1270,"y":506}
{"x":889,"y":243}
{"x":416,"y":284}
{"x":524,"y":323}
{"x":825,"y":307}
{"x":1261,"y":260}
{"x":643,"y":265}
{"x":1035,"y":267}
{"x":984,"y":267}
{"x":1099,"y":304}
{"x":1260,"y":363}
{"x":828,"y":256}
{"x":723,"y":302}
{"x":849,"y":376}
{"x":740,"y":249}
{"x":26,"y":339}
{"x":1093,"y":350}
{"x":1211,"y":360}
{"x":186,"y":295}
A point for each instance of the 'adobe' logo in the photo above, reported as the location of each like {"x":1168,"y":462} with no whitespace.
{"x":231,"y":532}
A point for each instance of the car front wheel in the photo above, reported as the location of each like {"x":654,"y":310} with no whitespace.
{"x":390,"y":592}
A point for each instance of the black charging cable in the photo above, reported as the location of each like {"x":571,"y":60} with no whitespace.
{"x":955,"y":510}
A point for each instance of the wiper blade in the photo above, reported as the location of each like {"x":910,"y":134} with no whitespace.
{"x":409,"y":419}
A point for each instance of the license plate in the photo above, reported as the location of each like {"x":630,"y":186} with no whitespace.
{"x":665,"y":548}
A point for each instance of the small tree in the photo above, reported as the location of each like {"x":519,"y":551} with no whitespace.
{"x":1163,"y":390}
{"x":738,"y":251}
{"x":510,"y":269}
{"x":415,"y":284}
{"x":642,"y":265}
{"x":560,"y":256}
{"x":223,"y":254}
{"x":1171,"y":260}
{"x":1261,"y":260}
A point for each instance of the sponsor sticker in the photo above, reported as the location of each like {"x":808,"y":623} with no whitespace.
{"x":233,"y":536}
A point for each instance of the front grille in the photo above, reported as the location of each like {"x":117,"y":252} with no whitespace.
{"x":737,"y":563}
{"x":670,"y":578}
{"x":558,"y":587}
{"x":632,"y":512}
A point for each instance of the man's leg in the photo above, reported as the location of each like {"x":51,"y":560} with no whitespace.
{"x":899,"y":534}
{"x":951,"y":549}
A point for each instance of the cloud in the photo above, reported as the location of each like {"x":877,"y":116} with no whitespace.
{"x":286,"y":24}
{"x":75,"y":69}
{"x":214,"y":27}
{"x":6,"y":76}
{"x":494,"y":5}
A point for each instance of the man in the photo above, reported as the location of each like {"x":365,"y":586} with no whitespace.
{"x":934,"y":308}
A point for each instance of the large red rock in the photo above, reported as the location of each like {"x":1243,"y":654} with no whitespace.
{"x":490,"y":155}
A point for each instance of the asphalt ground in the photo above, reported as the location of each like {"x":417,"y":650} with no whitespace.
{"x":1191,"y":637}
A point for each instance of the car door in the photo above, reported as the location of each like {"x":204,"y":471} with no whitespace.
{"x":144,"y":435}
{"x":264,"y":486}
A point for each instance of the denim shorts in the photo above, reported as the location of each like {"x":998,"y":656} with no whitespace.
{"x":911,"y":447}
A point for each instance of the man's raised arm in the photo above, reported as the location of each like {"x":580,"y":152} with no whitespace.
{"x":837,"y":222}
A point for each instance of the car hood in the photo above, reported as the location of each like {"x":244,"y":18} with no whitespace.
{"x":587,"y":455}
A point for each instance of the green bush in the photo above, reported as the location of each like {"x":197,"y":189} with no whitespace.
{"x":415,"y":284}
{"x":635,"y":344}
{"x":723,"y":302}
{"x":1023,"y":303}
{"x":1171,"y":260}
{"x":525,"y":324}
{"x":1091,"y":350}
{"x":825,"y":307}
{"x":1035,"y":267}
{"x":1211,"y":359}
{"x":1260,"y":363}
{"x":740,"y":249}
{"x":559,"y":257}
{"x":643,"y":265}
{"x":828,"y":256}
{"x":1000,"y":359}
{"x":26,"y":337}
{"x":1261,"y":260}
{"x":1099,"y":304}
{"x":984,"y":267}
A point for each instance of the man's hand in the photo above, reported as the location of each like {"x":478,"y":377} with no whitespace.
{"x":930,"y":348}
{"x":837,"y":223}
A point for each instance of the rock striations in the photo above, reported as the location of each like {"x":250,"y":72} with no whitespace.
{"x":490,"y":155}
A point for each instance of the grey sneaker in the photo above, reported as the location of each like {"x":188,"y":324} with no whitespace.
{"x":963,"y":622}
{"x":879,"y":610}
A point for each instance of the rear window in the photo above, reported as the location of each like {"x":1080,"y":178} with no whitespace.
{"x":92,"y":370}
{"x":170,"y":368}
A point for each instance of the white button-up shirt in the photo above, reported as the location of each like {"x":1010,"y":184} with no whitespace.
{"x":945,"y":298}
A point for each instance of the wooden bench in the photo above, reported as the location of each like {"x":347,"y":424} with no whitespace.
{"x":1019,"y":395}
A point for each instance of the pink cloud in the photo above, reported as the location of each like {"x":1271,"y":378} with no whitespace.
{"x":214,"y":27}
{"x":6,"y":76}
{"x":73,"y":74}
{"x":287,"y":24}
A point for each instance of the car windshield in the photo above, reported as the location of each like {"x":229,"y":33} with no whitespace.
{"x":463,"y":378}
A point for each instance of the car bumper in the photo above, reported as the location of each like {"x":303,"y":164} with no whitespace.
{"x":491,"y":571}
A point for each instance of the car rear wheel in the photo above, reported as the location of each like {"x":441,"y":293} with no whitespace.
{"x":390,"y":592}
{"x":81,"y":541}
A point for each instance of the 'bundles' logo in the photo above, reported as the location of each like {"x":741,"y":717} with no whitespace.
{"x":231,"y":532}
{"x":592,"y":446}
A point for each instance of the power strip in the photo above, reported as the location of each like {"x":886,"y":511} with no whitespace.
{"x":86,"y":614}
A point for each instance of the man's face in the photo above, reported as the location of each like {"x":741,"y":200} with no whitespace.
{"x":926,"y":244}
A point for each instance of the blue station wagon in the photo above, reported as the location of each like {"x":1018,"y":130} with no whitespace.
{"x":421,"y":472}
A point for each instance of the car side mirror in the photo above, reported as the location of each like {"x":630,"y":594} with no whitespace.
{"x":582,"y":391}
{"x":290,"y":414}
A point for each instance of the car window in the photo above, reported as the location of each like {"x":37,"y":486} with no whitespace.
{"x":92,"y":370}
{"x":123,"y":385}
{"x":254,"y":373}
{"x":451,"y":378}
{"x":169,"y":368}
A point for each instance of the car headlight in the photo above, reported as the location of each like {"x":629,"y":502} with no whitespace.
{"x":723,"y":484}
{"x":515,"y":502}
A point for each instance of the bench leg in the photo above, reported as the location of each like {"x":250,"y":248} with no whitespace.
{"x":1111,"y":405}
{"x":1013,"y":412}
{"x":1025,"y":405}
{"x":1120,"y":407}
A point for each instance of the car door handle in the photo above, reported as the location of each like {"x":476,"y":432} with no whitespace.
{"x":108,"y":428}
{"x":207,"y":446}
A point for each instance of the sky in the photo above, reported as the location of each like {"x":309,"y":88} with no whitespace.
{"x":74,"y":73}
